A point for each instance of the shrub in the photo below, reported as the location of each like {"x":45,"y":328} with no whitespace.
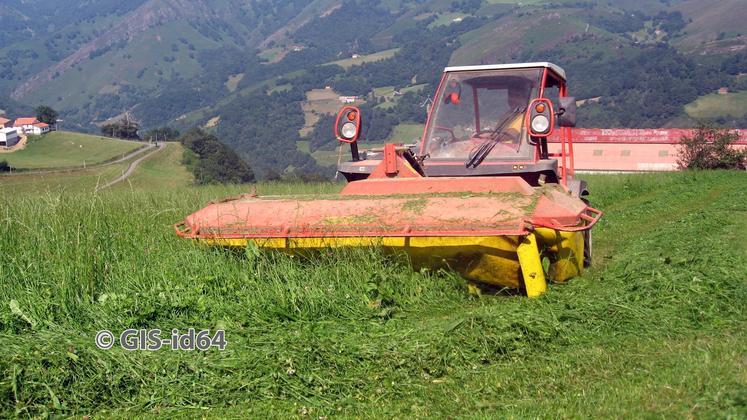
{"x":711,"y":148}
{"x":211,"y":161}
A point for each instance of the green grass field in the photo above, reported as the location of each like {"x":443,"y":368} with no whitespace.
{"x":732,"y":104}
{"x":407,"y":133}
{"x":162,"y":171}
{"x":63,"y":149}
{"x":370,"y":58}
{"x":446,"y":19}
{"x":656,"y":329}
{"x":83,"y":180}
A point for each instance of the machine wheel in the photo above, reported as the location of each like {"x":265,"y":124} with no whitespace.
{"x":588,"y":243}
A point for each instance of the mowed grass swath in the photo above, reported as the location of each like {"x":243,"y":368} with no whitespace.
{"x":655,"y":328}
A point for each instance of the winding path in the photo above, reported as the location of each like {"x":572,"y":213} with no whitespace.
{"x":82,"y":168}
{"x":130,"y":169}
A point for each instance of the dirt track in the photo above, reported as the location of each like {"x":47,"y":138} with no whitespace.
{"x":80,"y":168}
{"x":130,"y":169}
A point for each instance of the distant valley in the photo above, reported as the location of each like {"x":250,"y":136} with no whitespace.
{"x":247,"y":70}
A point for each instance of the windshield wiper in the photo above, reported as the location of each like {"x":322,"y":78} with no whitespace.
{"x":482,"y":150}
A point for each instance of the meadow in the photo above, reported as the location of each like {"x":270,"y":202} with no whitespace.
{"x":350,"y":62}
{"x":655,"y":329}
{"x":715,"y":104}
{"x":63,"y":149}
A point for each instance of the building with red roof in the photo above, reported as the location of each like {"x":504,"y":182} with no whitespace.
{"x":39,"y":129}
{"x":30,"y":125}
{"x":25,"y":124}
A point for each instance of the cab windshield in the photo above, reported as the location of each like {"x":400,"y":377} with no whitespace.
{"x":476,"y":109}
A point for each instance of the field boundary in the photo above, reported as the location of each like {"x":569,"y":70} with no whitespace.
{"x":112,"y":161}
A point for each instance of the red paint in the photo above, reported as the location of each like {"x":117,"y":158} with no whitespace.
{"x":401,"y":207}
{"x":390,"y":159}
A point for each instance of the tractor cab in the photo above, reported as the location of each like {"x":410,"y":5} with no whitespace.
{"x":490,"y":120}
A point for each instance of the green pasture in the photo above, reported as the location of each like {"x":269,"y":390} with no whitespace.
{"x":62,"y":149}
{"x":657,"y":328}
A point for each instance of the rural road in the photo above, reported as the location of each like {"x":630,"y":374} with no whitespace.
{"x":79,"y":168}
{"x":130,"y":169}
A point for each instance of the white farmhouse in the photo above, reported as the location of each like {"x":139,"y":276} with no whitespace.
{"x":39,"y":129}
{"x":31,"y":125}
{"x":25,"y":125}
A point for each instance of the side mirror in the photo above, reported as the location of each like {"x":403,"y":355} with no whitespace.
{"x":540,"y":118}
{"x":567,"y":112}
{"x":348,"y":125}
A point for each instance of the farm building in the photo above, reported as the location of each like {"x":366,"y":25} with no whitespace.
{"x":31,"y":125}
{"x":627,"y":150}
{"x":8,"y":137}
{"x":348,"y":99}
{"x":39,"y":129}
{"x":25,"y":124}
{"x":4,"y":122}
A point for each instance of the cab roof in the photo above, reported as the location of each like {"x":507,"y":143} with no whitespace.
{"x":554,"y":67}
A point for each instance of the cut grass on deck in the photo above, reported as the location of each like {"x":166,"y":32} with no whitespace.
{"x":63,"y":149}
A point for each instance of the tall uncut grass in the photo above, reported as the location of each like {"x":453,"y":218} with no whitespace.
{"x":657,"y":327}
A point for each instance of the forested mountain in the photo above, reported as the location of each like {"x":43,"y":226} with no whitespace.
{"x":250,"y":71}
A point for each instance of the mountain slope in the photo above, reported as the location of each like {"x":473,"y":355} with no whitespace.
{"x":130,"y":53}
{"x":232,"y":64}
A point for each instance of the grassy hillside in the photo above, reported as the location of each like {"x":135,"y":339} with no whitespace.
{"x":381,"y":55}
{"x":159,"y":171}
{"x":64,"y":149}
{"x":407,"y":133}
{"x":713,"y":26}
{"x":715,"y":105}
{"x":655,"y":329}
{"x":96,"y":61}
{"x":83,"y":180}
{"x":194,"y":63}
{"x":162,"y":171}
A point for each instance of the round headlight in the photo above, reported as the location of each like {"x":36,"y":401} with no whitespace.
{"x":540,"y":124}
{"x":349,"y":130}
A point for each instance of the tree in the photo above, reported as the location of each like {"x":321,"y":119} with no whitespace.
{"x":123,"y":128}
{"x":213,"y":162}
{"x":4,"y":166}
{"x":46,"y":114}
{"x":711,"y":148}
